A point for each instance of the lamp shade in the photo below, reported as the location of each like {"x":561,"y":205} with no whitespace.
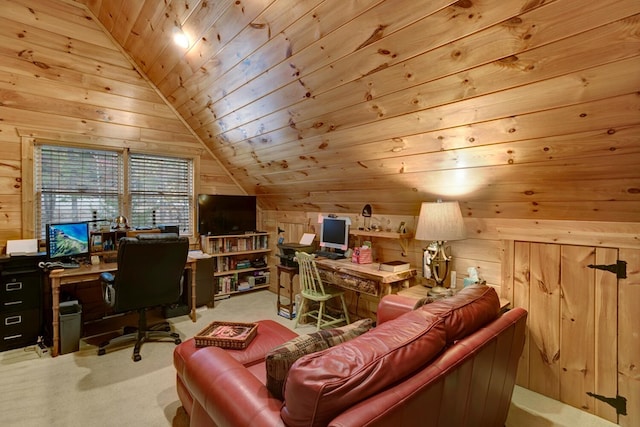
{"x":440,"y":221}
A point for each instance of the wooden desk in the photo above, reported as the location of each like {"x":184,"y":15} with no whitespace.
{"x":365,"y":278}
{"x":367,"y":282}
{"x":90,"y":273}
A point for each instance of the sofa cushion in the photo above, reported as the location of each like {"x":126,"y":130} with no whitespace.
{"x":279,"y":359}
{"x":323,"y":384}
{"x":466,"y":311}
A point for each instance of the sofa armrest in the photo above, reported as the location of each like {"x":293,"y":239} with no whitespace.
{"x":229,"y":393}
{"x":393,"y":306}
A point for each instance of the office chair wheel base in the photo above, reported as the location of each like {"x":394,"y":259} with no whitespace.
{"x":137,"y":358}
{"x":102,"y":352}
{"x":177,"y":341}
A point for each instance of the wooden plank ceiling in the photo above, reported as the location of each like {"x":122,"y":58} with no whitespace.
{"x":517,"y":108}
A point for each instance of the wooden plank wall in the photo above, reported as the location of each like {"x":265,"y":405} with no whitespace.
{"x":62,"y":79}
{"x":547,"y":278}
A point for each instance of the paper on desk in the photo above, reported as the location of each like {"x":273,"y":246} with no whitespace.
{"x":26,"y":246}
{"x":196,"y":254}
{"x":307,"y":238}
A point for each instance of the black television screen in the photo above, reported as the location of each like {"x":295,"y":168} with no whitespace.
{"x":223,"y":214}
{"x":67,"y":241}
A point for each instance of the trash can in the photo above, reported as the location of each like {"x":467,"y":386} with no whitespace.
{"x":70,"y":326}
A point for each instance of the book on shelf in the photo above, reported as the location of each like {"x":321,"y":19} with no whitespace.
{"x":395,"y":266}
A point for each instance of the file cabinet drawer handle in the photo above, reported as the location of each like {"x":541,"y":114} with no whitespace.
{"x":13,"y":320}
{"x":6,"y":304}
{"x":12,"y":337}
{"x":13,"y":286}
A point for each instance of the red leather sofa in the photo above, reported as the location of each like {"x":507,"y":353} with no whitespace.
{"x":449,"y":363}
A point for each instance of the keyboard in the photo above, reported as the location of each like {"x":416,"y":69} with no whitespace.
{"x":330,"y":255}
{"x":70,"y":265}
{"x":55,"y":264}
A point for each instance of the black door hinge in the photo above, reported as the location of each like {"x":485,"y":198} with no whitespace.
{"x":619,"y":403}
{"x":619,"y":268}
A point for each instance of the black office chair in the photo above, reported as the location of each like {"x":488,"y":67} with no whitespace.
{"x":150,"y":269}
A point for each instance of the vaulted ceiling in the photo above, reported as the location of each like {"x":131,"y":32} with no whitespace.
{"x":517,"y":108}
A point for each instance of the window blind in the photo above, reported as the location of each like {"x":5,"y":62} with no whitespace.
{"x":161,"y":190}
{"x":75,"y":184}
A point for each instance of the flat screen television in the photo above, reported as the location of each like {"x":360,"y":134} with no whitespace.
{"x":226,"y":214}
{"x":67,"y":241}
{"x":334,"y":233}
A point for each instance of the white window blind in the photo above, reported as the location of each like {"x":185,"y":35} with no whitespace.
{"x":161,"y":190}
{"x":75,"y":184}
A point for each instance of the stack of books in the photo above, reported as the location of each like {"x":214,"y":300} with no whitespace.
{"x":284,"y":312}
{"x":395,"y":266}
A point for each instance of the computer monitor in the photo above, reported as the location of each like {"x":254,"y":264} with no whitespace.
{"x":67,"y":241}
{"x":334,"y":233}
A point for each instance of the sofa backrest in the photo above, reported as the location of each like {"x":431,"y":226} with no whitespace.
{"x":470,"y":384}
{"x":322,"y":385}
{"x":471,"y":308}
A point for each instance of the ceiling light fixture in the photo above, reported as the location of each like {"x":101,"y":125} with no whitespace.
{"x":180,"y":38}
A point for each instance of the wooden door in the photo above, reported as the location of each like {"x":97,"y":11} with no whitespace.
{"x":571,"y":350}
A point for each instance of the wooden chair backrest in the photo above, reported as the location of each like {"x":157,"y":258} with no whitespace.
{"x":310,"y":280}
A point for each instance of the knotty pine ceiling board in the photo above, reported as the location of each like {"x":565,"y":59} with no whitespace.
{"x":312,"y":104}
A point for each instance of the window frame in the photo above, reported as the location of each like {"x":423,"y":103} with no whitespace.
{"x":30,"y":219}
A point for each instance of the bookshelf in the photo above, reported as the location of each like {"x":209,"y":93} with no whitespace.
{"x":240,"y":261}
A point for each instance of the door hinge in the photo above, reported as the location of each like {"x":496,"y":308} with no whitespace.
{"x":619,"y":268}
{"x":619,"y":403}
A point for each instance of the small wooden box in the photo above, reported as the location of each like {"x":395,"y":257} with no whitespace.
{"x":227,"y":335}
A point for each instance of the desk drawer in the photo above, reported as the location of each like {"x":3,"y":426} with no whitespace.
{"x":19,"y":291}
{"x":19,"y":328}
{"x":348,"y":281}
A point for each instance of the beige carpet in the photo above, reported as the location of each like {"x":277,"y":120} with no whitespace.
{"x":82,"y":389}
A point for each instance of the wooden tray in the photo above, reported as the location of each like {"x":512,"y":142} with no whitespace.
{"x":233,"y":335}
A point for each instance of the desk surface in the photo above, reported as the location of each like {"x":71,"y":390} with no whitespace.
{"x":371,"y":271}
{"x":92,"y":269}
{"x":84,"y":270}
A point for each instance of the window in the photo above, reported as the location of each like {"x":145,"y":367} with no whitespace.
{"x":75,"y":184}
{"x":160,"y":190}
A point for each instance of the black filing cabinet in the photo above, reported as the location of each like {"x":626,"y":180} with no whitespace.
{"x":21,"y":283}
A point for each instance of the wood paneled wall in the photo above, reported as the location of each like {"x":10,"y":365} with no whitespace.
{"x":62,"y":79}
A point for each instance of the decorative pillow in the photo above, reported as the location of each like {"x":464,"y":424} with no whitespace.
{"x":423,"y":301}
{"x":279,"y":359}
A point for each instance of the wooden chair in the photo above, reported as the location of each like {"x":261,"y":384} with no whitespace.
{"x":312,"y":289}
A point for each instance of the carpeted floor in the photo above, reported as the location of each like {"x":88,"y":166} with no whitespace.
{"x":84,"y":389}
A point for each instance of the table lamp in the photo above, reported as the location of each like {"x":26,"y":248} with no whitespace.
{"x":439,"y":222}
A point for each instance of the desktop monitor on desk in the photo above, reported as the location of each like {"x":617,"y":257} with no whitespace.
{"x":67,"y":241}
{"x":334,"y":233}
